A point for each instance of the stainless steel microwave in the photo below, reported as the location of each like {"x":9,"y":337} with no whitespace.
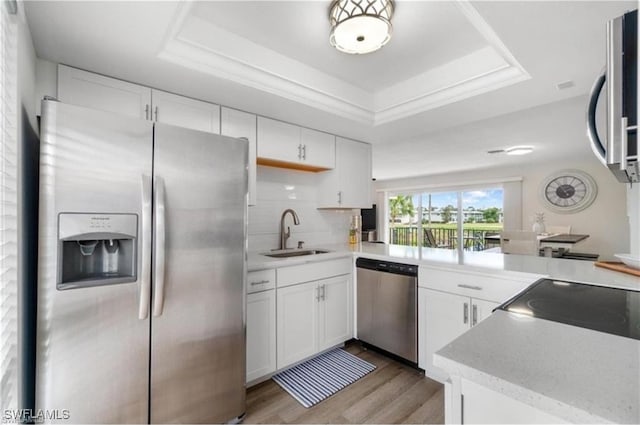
{"x":618,"y":150}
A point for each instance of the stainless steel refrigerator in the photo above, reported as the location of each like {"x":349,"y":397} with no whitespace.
{"x":142,"y":265}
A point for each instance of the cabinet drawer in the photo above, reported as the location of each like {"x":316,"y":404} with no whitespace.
{"x":288,"y":276}
{"x":261,"y":280}
{"x":497,"y":288}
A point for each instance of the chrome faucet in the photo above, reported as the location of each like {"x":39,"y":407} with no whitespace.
{"x":285,"y":235}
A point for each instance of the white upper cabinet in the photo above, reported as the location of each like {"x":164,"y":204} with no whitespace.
{"x":95,"y":91}
{"x":349,"y":184}
{"x":278,"y":141}
{"x":287,"y":145}
{"x":90,"y":90}
{"x":236,"y":123}
{"x":185,"y":112}
{"x":318,"y":148}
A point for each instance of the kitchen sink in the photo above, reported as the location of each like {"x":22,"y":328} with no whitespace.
{"x":294,"y":253}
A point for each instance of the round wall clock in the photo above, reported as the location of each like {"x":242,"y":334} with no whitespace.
{"x":568,"y":191}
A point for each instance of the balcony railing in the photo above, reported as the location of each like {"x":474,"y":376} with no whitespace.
{"x":473,"y":240}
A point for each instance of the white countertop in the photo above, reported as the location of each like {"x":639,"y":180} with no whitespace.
{"x":574,"y":270}
{"x":576,"y":374}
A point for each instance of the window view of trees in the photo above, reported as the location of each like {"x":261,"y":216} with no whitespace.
{"x":438,"y":215}
{"x":401,"y":206}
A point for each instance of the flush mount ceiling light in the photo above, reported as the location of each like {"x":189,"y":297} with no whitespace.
{"x":519,"y":150}
{"x":360,"y":26}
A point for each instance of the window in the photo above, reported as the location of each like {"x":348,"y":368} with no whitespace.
{"x":8,"y":212}
{"x":448,"y":219}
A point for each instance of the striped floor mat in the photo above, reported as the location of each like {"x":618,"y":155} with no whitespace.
{"x":322,"y":376}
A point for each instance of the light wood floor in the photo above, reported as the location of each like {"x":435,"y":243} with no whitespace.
{"x":393,"y":393}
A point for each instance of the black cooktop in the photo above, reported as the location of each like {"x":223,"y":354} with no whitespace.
{"x":610,"y":310}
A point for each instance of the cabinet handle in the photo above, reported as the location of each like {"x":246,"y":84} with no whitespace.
{"x":304,"y":152}
{"x":474,"y":315}
{"x":318,"y":293}
{"x":146,"y":112}
{"x":339,"y":197}
{"x":299,"y":151}
{"x":624,"y":144}
{"x":262,"y":282}
{"x":475,"y":288}
{"x":465,"y":313}
{"x":156,"y":113}
{"x":324,"y":293}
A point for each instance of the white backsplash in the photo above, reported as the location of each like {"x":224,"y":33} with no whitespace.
{"x":279,"y":189}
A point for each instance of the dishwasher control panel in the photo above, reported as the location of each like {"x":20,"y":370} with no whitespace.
{"x":386,"y":266}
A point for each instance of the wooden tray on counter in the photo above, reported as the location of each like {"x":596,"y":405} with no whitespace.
{"x":619,"y":267}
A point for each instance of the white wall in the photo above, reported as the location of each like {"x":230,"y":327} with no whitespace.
{"x":46,"y":81}
{"x":605,"y":220}
{"x":279,"y":189}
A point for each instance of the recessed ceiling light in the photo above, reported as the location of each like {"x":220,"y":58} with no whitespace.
{"x":565,"y":85}
{"x":519,"y":150}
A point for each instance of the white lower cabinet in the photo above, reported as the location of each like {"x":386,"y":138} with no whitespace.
{"x":297,"y":322}
{"x":296,"y":312}
{"x":443,"y":318}
{"x":440,"y":322}
{"x":312,"y":317}
{"x":335,"y":312}
{"x":261,"y":334}
{"x":481,"y":405}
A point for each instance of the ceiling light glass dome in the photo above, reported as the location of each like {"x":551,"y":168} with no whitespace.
{"x":360,"y":26}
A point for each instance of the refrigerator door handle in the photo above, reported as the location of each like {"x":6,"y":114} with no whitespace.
{"x":158,"y":288}
{"x":145,"y":261}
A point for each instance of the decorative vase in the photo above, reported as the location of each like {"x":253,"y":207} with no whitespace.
{"x":538,"y":225}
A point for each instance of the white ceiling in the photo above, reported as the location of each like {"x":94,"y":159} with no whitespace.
{"x":449,"y":67}
{"x":556,"y":131}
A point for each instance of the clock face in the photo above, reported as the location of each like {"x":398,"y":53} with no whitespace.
{"x":568,"y":191}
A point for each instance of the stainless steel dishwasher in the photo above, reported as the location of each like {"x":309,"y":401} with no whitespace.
{"x":388,"y":307}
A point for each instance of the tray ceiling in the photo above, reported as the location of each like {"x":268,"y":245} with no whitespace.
{"x":441,"y":52}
